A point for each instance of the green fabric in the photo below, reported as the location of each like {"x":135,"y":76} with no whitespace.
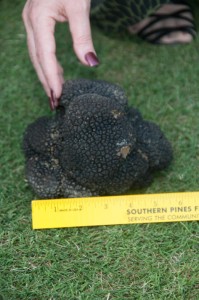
{"x":117,"y":15}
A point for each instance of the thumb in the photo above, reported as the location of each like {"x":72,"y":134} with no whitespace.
{"x":80,"y":29}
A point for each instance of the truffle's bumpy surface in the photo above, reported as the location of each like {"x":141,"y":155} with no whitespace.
{"x":94,"y":145}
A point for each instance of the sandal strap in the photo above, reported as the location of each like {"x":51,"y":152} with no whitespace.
{"x":166,"y":30}
{"x":177,"y":14}
{"x":163,"y":31}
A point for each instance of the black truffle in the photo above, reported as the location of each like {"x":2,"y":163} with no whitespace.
{"x":94,"y":145}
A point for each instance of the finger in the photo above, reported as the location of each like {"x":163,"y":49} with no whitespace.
{"x":34,"y":59}
{"x":79,"y":24}
{"x":46,"y":54}
{"x":32,"y":51}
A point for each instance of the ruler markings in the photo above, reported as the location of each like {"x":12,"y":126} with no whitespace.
{"x":110,"y":210}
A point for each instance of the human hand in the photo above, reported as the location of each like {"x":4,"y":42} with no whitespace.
{"x":40,"y":17}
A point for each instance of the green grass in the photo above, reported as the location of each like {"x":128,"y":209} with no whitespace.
{"x":146,"y":261}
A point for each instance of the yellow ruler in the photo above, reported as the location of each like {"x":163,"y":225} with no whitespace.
{"x":110,"y":210}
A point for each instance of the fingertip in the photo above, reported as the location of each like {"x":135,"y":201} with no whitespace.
{"x":56,"y":89}
{"x":87,"y":56}
{"x":91,"y":59}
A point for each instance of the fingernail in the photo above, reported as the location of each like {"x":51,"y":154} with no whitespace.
{"x":53,"y":100}
{"x":91,"y":59}
{"x":52,"y":107}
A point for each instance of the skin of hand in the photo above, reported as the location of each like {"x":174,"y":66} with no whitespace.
{"x":40,"y":17}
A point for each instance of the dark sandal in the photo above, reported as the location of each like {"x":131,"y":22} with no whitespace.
{"x":159,"y":33}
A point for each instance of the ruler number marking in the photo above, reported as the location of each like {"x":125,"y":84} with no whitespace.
{"x":145,"y":209}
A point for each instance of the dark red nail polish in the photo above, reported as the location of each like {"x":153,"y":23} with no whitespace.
{"x":53,"y":100}
{"x":92,"y":59}
{"x":52,"y":107}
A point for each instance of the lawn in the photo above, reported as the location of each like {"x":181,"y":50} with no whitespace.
{"x":145,"y":261}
